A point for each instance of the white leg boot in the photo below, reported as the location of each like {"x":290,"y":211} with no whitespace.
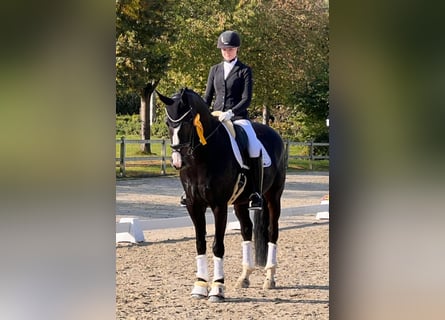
{"x":271,"y":266}
{"x":216,"y":293}
{"x":200,"y":288}
{"x":248,"y":265}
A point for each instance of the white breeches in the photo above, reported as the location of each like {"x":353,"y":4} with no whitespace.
{"x":253,"y":145}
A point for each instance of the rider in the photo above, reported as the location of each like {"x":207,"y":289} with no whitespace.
{"x":230,"y":82}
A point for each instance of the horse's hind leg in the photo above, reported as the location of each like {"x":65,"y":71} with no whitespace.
{"x":246,"y":225}
{"x":271,"y":267}
{"x":274,"y":208}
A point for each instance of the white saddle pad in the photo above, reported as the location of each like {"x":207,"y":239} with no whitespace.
{"x":266,"y":158}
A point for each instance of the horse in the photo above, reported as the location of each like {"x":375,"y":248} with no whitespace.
{"x":213,"y":177}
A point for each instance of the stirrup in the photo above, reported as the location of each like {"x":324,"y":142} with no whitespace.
{"x":182,"y":202}
{"x":256,"y":202}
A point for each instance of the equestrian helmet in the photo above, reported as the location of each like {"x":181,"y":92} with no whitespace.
{"x":228,"y":39}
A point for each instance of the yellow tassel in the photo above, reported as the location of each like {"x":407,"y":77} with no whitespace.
{"x":199,"y":129}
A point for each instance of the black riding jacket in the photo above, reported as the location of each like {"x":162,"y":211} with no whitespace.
{"x":233,"y":93}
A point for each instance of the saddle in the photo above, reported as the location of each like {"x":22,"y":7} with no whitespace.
{"x":238,"y":133}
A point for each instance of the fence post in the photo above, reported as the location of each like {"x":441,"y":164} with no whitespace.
{"x":311,"y":153}
{"x":286,"y":147}
{"x":122,"y":157}
{"x":163,"y":153}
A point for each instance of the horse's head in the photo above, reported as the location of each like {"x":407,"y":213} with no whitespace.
{"x":184,"y":123}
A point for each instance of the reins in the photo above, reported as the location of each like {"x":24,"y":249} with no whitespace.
{"x":193,"y":148}
{"x":199,"y":131}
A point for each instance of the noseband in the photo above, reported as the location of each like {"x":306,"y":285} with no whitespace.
{"x":178,"y":122}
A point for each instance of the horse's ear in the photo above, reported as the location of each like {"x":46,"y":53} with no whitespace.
{"x":164,"y":99}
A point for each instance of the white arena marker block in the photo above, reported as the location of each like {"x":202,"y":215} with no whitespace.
{"x":129,"y":230}
{"x":235,"y":225}
{"x":325,"y":199}
{"x":324,"y":215}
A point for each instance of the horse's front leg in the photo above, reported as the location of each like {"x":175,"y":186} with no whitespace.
{"x":216,"y":293}
{"x":248,"y":264}
{"x":200,"y":287}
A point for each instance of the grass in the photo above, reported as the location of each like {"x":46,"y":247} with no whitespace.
{"x":307,"y":165}
{"x":151,"y":166}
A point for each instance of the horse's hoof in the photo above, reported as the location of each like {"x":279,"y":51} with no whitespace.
{"x":216,"y":293}
{"x":242,"y":283}
{"x":269,"y":284}
{"x":200,"y":290}
{"x":216,"y":299}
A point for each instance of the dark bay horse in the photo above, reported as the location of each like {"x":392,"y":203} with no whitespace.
{"x":212,"y":177}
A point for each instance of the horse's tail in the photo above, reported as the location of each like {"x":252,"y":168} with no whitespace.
{"x":261,"y":235}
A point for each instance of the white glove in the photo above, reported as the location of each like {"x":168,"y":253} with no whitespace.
{"x":226,"y":115}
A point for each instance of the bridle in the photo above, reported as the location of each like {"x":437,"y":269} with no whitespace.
{"x":191,"y":144}
{"x":180,"y":119}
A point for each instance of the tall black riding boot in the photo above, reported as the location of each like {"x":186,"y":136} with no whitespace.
{"x":256,"y":170}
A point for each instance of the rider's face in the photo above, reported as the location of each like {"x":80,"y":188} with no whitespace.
{"x":229,"y":53}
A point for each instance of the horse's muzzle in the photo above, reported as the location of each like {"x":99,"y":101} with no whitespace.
{"x":176,"y":160}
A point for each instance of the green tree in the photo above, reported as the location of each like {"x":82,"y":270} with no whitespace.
{"x":312,"y":106}
{"x":311,"y":97}
{"x":198,"y":24}
{"x":288,"y":51}
{"x":143,"y":35}
{"x":285,"y":43}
